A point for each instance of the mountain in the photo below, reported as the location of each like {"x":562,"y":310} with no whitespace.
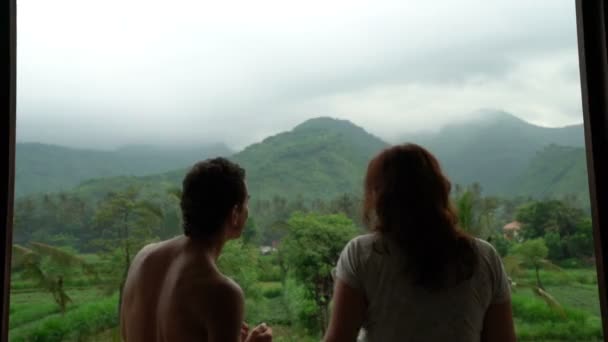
{"x":325,"y":157}
{"x":555,"y":171}
{"x":51,"y":168}
{"x":320,"y":158}
{"x":494,"y":149}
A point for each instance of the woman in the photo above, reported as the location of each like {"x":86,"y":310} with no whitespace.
{"x":417,"y":276}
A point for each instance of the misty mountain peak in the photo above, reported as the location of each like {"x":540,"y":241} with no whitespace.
{"x":492,"y":118}
{"x":327,"y":123}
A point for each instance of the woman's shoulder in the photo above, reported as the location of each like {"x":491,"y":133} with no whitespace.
{"x":367,"y":243}
{"x":485,"y":248}
{"x":364,"y":240}
{"x":488,"y":255}
{"x":361,"y":246}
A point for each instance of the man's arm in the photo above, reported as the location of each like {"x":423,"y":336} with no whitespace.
{"x":224,"y":313}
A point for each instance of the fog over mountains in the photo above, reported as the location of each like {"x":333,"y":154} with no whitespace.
{"x":323,"y":157}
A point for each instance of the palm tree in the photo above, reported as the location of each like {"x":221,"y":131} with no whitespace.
{"x":127,"y":223}
{"x":30,"y":262}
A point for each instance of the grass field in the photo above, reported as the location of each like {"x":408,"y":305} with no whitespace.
{"x":34,"y":316}
{"x":91,"y":316}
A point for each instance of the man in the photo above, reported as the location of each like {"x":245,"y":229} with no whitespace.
{"x":174,"y":291}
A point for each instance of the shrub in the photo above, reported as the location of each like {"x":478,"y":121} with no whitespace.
{"x":272,"y":290}
{"x":80,"y":322}
{"x":537,"y":321}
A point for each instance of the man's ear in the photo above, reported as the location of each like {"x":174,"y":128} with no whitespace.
{"x":234,"y":215}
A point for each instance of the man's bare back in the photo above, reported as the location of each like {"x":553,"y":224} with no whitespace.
{"x":174,"y":291}
{"x":168,"y":291}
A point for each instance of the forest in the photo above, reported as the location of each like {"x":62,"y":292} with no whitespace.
{"x":68,"y":271}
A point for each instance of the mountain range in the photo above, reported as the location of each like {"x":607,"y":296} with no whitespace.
{"x":325,"y":157}
{"x":495,"y":149}
{"x":51,"y":168}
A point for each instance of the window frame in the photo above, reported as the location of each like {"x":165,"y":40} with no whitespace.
{"x":593,"y":65}
{"x":593,"y":58}
{"x":7,"y":152}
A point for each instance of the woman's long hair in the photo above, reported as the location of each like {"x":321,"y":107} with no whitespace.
{"x":407,"y":198}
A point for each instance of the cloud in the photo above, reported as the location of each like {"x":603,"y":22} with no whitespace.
{"x":104,"y":73}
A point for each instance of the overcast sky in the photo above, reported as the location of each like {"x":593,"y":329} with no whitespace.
{"x":102,"y":73}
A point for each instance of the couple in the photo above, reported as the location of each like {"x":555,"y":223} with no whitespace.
{"x":415,"y":277}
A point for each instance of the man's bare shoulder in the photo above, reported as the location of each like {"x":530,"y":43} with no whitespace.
{"x":223,"y":301}
{"x":215,"y":289}
{"x":225,"y":287}
{"x":153,"y":249}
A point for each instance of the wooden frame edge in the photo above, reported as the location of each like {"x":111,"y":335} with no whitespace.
{"x":7,"y":153}
{"x":593,"y":60}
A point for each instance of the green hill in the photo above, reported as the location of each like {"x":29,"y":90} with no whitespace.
{"x":324,"y":157}
{"x":50,"y":168}
{"x":320,"y":158}
{"x":555,"y":171}
{"x":493,"y":149}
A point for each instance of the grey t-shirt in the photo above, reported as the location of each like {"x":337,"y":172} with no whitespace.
{"x":400,"y":311}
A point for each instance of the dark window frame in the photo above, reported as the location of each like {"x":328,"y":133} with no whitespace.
{"x":593,"y":56}
{"x":7,"y":152}
{"x":592,"y":28}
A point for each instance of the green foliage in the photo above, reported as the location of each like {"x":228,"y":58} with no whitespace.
{"x":534,"y":252}
{"x":126,"y":223}
{"x":536,"y":321}
{"x":566,"y":229}
{"x":269,"y":268}
{"x":239,"y":261}
{"x":29,"y":313}
{"x":271,"y":289}
{"x":555,"y":246}
{"x":58,"y":219}
{"x":541,"y":217}
{"x":580,"y":243}
{"x":302,"y":310}
{"x":320,"y":158}
{"x":502,"y":245}
{"x":83,"y":321}
{"x":48,"y":266}
{"x":250,"y":233}
{"x":317,"y":170}
{"x":476,"y":214}
{"x":311,"y":249}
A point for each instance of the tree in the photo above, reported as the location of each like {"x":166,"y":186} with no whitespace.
{"x":250,"y":232}
{"x":566,"y":229}
{"x":348,"y":205}
{"x":49,"y":266}
{"x":239,"y":261}
{"x":580,"y":243}
{"x":126,"y":223}
{"x":501,"y":244}
{"x":534,"y":253}
{"x":311,"y":249}
{"x":541,"y":217}
{"x":466,"y":213}
{"x":476,"y":214}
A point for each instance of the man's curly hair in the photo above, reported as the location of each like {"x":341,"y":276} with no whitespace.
{"x":210,"y":191}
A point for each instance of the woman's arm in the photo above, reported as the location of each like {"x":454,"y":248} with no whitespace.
{"x":498,"y":324}
{"x":349,"y":307}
